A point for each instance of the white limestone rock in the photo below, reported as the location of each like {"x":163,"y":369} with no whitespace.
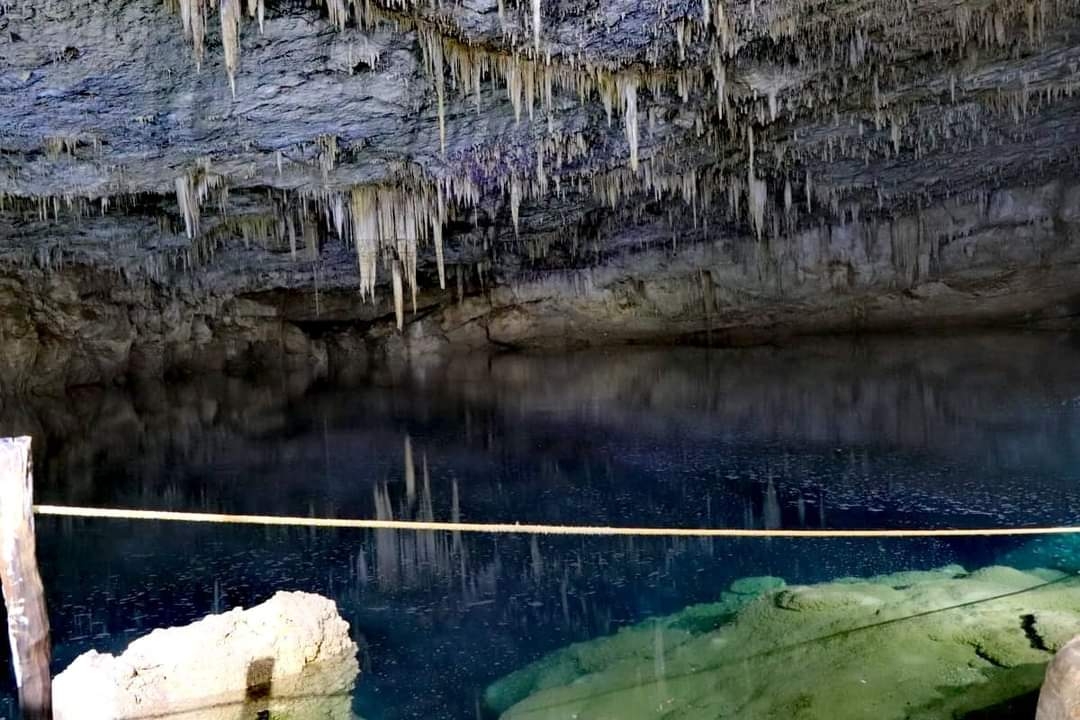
{"x":1059,"y":698}
{"x":291,"y":654}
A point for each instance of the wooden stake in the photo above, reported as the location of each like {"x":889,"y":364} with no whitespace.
{"x":24,"y":596}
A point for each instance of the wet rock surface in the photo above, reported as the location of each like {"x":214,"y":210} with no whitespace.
{"x":1059,"y":698}
{"x":291,"y":655}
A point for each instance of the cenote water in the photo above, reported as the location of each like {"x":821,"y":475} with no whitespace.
{"x":960,"y":432}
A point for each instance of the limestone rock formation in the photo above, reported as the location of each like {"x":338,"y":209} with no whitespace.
{"x":1059,"y":698}
{"x":644,"y":641}
{"x":290,"y":655}
{"x":509,"y":174}
{"x":915,"y":645}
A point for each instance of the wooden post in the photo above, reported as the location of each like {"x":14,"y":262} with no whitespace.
{"x":24,"y":596}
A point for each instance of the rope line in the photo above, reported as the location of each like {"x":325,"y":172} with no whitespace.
{"x":529,"y":529}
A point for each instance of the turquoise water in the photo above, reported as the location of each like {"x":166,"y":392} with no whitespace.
{"x":979,"y":431}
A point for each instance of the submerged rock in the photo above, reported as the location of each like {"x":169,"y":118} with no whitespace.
{"x":646,"y":643}
{"x":937,"y":644}
{"x":291,"y":655}
{"x":756,"y":585}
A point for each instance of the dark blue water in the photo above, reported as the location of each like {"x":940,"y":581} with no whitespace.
{"x":940,"y":432}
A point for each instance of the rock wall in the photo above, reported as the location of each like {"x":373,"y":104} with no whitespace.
{"x":1008,"y":257}
{"x":81,"y":326}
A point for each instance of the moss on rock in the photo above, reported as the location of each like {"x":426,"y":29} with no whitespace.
{"x":756,"y":585}
{"x":935,"y":644}
{"x":629,"y":647}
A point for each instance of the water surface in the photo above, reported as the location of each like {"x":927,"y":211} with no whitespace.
{"x":969,"y":431}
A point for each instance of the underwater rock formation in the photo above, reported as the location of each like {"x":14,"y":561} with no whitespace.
{"x":501,"y":173}
{"x":653,"y":638}
{"x":932,"y":644}
{"x":292,"y":655}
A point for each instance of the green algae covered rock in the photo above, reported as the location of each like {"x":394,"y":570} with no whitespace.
{"x":756,"y":585}
{"x":909,"y":646}
{"x":913,"y":577}
{"x":835,"y":596}
{"x":645,"y":643}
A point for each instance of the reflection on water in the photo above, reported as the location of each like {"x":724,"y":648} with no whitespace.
{"x":969,"y":431}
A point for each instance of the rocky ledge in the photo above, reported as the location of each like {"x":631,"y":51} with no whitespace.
{"x":290,"y":656}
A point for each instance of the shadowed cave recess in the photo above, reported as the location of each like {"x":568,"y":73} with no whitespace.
{"x":206,"y":185}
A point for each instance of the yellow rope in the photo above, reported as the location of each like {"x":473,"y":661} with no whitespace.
{"x":531,"y":529}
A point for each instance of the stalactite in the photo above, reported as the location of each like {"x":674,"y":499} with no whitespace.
{"x":193,"y":19}
{"x":720,"y":81}
{"x":835,"y":64}
{"x":530,"y":80}
{"x":629,"y":91}
{"x":437,"y":235}
{"x":541,"y":174}
{"x":399,"y":295}
{"x":191,"y":190}
{"x":257,"y":9}
{"x":390,"y":222}
{"x":229,"y":10}
{"x":328,"y":153}
{"x":536,"y":26}
{"x":337,"y":13}
{"x":515,"y":202}
{"x":756,"y":189}
{"x":757,"y":192}
{"x":291,"y":229}
{"x":365,"y":233}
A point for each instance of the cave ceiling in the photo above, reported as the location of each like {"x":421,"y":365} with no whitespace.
{"x":381,"y":142}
